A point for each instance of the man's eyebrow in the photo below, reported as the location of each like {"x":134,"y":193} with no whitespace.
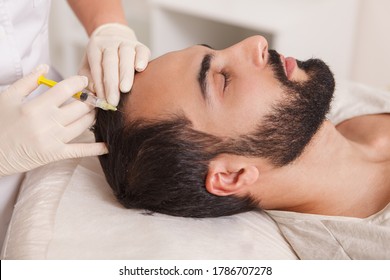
{"x":207,"y":46}
{"x":202,"y":75}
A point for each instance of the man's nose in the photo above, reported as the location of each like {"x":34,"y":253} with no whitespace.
{"x":257,"y":49}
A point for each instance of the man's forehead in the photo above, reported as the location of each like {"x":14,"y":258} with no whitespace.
{"x":165,"y":84}
{"x":172,"y":67}
{"x":160,"y":65}
{"x":178,"y":54}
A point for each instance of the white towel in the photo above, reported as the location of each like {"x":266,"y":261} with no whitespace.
{"x":353,"y":99}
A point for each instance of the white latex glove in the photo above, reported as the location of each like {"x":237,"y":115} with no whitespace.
{"x":37,"y":131}
{"x":113,"y":52}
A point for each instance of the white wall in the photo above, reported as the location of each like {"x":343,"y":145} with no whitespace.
{"x":372,"y":52}
{"x":371,"y":61}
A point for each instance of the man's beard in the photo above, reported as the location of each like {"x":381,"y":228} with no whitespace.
{"x":284,"y":133}
{"x":316,"y":92}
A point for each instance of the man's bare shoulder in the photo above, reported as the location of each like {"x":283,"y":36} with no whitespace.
{"x":369,"y":130}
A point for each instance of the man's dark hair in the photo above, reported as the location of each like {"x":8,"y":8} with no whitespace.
{"x":161,"y":166}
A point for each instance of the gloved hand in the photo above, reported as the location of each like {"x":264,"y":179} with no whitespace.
{"x":112,"y":54}
{"x":36,"y":132}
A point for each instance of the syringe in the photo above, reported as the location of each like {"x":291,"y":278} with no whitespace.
{"x":84,"y":96}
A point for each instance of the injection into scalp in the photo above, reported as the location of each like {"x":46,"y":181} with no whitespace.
{"x":84,"y":96}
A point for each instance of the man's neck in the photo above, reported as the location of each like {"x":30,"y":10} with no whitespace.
{"x":333,"y":176}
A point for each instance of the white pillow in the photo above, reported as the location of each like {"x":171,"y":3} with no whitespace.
{"x":66,"y":210}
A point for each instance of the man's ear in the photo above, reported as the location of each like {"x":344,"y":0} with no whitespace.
{"x":230,"y":174}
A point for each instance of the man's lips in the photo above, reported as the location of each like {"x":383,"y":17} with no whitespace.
{"x":289,"y":64}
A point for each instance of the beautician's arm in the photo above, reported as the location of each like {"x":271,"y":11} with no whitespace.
{"x":93,"y":13}
{"x":113,"y":51}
